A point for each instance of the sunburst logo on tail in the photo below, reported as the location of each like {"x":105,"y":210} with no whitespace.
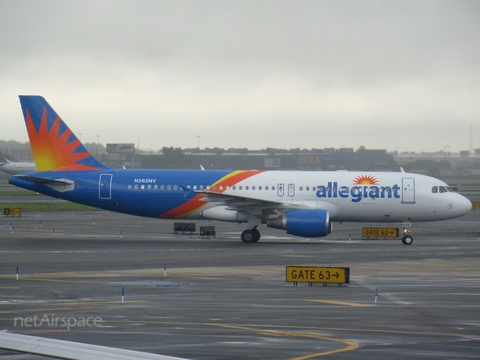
{"x":53,"y":149}
{"x":365,"y":180}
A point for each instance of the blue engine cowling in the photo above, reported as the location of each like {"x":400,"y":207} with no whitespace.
{"x":306,"y":223}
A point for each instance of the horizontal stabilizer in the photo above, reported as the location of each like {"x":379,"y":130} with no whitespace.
{"x":57,"y":184}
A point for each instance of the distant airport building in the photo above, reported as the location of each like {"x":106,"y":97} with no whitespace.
{"x":269,"y":159}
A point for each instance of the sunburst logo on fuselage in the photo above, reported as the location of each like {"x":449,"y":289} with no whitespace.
{"x":365,"y":180}
{"x":53,"y":149}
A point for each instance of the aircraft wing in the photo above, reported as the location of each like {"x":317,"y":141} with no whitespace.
{"x":61,"y":349}
{"x":261,"y":207}
{"x":258,"y":207}
{"x":242,"y":201}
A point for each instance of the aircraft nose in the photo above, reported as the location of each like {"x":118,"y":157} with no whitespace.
{"x":464,"y":205}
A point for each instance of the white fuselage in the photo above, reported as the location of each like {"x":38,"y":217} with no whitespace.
{"x":354,"y":196}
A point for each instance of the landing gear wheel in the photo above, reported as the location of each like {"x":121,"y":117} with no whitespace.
{"x":407,"y":240}
{"x":250,"y":236}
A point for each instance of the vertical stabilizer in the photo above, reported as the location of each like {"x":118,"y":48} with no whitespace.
{"x":54,"y":146}
{"x":3,"y":159}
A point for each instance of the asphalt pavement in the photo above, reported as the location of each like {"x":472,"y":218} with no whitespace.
{"x":218,"y":298}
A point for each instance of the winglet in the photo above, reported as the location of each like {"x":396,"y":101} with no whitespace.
{"x":54,"y":146}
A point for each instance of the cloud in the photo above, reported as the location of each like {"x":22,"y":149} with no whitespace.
{"x":246,"y":73}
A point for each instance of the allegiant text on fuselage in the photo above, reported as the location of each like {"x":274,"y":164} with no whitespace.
{"x":358,"y":192}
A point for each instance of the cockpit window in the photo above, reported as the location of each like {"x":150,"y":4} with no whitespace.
{"x":442,"y":189}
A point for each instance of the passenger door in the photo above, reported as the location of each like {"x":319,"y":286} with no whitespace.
{"x":408,"y":191}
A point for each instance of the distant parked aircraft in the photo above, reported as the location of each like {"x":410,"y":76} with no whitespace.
{"x":12,"y":167}
{"x":304,"y":203}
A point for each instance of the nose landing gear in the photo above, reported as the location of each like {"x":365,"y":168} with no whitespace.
{"x":407,"y":239}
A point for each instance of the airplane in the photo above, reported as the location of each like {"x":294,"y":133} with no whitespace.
{"x":13,"y":167}
{"x":304,"y":203}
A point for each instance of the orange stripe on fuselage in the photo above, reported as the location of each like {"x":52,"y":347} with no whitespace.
{"x":195,"y":204}
{"x":232,"y":179}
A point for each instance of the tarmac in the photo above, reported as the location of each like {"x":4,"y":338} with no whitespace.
{"x":63,"y":274}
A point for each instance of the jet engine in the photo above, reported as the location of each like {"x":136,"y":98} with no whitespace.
{"x":306,"y":223}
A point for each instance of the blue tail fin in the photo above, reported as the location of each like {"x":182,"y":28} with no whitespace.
{"x":54,"y":146}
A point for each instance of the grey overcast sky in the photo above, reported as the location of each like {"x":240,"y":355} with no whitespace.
{"x":284,"y":74}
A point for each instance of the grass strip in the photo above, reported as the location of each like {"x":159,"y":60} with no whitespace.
{"x":47,"y":206}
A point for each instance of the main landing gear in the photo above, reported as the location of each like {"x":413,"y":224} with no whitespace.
{"x":407,"y":239}
{"x":250,"y":235}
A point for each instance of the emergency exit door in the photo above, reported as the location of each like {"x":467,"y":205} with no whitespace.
{"x":105,"y":186}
